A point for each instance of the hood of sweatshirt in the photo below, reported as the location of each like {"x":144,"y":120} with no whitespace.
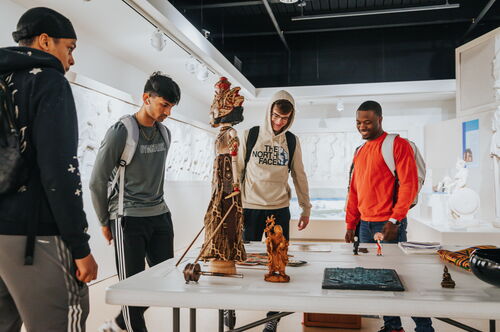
{"x":13,"y":59}
{"x":268,"y":127}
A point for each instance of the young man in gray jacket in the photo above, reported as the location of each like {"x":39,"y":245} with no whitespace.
{"x":144,"y":229}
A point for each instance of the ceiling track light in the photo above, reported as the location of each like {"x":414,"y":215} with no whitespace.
{"x":158,"y":40}
{"x":340,"y":105}
{"x":192,"y":65}
{"x":202,"y":73}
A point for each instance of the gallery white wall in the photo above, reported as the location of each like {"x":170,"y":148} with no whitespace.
{"x":478,"y":97}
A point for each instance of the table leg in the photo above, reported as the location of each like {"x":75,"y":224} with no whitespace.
{"x":176,"y":313}
{"x":493,"y":325}
{"x":221,"y":320}
{"x":192,"y":320}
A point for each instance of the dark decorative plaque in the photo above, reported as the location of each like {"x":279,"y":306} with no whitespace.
{"x":362,"y":279}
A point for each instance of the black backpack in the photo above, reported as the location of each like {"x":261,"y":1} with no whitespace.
{"x":253,"y":134}
{"x":11,"y":160}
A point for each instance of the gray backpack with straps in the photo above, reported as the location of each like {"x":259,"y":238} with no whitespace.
{"x":132,"y":127}
{"x":387,"y":151}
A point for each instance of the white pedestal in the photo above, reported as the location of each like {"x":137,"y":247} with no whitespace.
{"x":420,"y":229}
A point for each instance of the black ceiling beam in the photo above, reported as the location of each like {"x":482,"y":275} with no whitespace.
{"x":479,"y":18}
{"x":362,"y":27}
{"x":275,"y":23}
{"x":376,"y":12}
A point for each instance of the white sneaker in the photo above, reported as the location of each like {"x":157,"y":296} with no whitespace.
{"x":110,"y":326}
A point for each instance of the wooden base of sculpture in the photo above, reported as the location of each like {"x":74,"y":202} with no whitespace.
{"x":227,"y":267}
{"x":276,"y":278}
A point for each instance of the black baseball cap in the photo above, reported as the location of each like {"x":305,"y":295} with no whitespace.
{"x":40,"y":20}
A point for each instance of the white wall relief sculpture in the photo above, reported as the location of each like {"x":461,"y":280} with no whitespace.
{"x":495,"y":138}
{"x":327,"y":160}
{"x":191,"y":151}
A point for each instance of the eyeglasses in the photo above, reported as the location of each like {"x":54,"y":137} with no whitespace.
{"x":276,"y":116}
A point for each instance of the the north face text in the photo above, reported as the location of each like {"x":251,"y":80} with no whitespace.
{"x":272,"y":155}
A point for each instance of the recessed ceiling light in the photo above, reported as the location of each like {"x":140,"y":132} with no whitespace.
{"x":289,"y":1}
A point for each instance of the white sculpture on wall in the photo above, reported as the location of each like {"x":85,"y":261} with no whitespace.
{"x":495,"y":138}
{"x":327,"y":157}
{"x":191,"y":151}
{"x":495,"y":155}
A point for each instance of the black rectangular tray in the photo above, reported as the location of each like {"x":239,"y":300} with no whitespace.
{"x":362,"y":279}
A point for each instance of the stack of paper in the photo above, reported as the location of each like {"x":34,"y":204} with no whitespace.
{"x":419,"y":247}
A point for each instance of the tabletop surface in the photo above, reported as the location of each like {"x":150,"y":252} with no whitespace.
{"x":421,"y":275}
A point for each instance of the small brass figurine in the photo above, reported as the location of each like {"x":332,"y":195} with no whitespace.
{"x":277,"y":252}
{"x":447,"y":281}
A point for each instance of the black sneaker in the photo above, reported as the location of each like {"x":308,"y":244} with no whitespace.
{"x":230,"y":318}
{"x":271,"y":326}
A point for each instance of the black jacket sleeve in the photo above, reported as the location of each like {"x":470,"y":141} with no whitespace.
{"x":55,"y":137}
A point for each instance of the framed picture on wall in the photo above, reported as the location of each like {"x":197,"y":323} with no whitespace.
{"x":470,"y":142}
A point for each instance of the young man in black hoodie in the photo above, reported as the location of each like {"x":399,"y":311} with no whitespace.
{"x":45,"y":258}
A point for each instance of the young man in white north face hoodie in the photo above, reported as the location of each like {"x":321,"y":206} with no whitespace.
{"x":264,"y":176}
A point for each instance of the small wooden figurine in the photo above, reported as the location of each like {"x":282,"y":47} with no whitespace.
{"x":447,"y":281}
{"x":379,"y":248}
{"x":277,"y":252}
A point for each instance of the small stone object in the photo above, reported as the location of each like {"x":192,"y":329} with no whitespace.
{"x":447,"y":281}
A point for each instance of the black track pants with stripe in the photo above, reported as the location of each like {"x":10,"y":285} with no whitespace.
{"x":140,"y":239}
{"x":45,"y":296}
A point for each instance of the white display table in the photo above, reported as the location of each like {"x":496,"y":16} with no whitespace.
{"x":164,"y":285}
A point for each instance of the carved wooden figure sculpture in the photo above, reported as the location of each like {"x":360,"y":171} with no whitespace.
{"x":224,"y":217}
{"x":277,"y":252}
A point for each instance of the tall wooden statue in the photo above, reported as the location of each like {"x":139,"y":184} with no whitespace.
{"x":224,"y":217}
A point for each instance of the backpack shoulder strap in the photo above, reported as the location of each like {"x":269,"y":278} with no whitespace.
{"x":253,"y":134}
{"x":291,"y":142}
{"x":128,"y":153}
{"x":351,"y":169}
{"x":132,"y":138}
{"x":165,"y":133}
{"x":388,"y":152}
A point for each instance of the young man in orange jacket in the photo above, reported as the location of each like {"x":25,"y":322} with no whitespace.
{"x":374,"y":201}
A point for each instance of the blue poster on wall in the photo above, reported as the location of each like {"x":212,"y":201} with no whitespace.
{"x":470,"y":142}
